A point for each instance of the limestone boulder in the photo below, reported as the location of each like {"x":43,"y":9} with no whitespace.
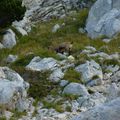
{"x":13,"y":89}
{"x":107,"y":111}
{"x":75,"y":89}
{"x":89,"y":70}
{"x":104,"y":19}
{"x":9,"y":39}
{"x":45,"y":64}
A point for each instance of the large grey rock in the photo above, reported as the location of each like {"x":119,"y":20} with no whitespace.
{"x":9,"y":39}
{"x":104,"y":18}
{"x":89,"y":70}
{"x":75,"y":89}
{"x":12,"y":88}
{"x":108,"y":111}
{"x":45,"y":64}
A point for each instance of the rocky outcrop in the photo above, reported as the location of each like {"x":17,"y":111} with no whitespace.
{"x":87,"y":102}
{"x":104,"y":19}
{"x":13,"y":89}
{"x":43,"y":10}
{"x":57,"y":68}
{"x":90,"y":70}
{"x":108,"y":111}
{"x":69,"y":4}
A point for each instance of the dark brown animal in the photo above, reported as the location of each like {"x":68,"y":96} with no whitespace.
{"x":63,"y":47}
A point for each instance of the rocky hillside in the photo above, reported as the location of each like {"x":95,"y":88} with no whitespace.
{"x":61,"y":62}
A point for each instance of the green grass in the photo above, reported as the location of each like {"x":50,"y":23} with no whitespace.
{"x":111,"y":62}
{"x":68,"y":109}
{"x":40,"y":86}
{"x":37,"y":43}
{"x":41,"y":37}
{"x":72,"y":76}
{"x":70,"y":97}
{"x":95,"y":77}
{"x":3,"y":118}
{"x":57,"y":106}
{"x":17,"y":114}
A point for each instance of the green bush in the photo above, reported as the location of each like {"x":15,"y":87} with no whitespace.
{"x":40,"y":86}
{"x":10,"y":10}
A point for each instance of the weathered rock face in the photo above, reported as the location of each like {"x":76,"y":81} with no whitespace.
{"x":57,"y":68}
{"x":108,"y":111}
{"x":42,"y":10}
{"x":45,"y":9}
{"x":23,"y":26}
{"x":12,"y":88}
{"x":89,"y":70}
{"x":104,"y":18}
{"x":9,"y":39}
{"x":39,"y":64}
{"x":87,"y":102}
{"x":113,"y":91}
{"x":45,"y":3}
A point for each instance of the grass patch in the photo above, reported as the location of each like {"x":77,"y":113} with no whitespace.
{"x":95,"y":77}
{"x":3,"y":118}
{"x":68,"y":109}
{"x":70,"y":97}
{"x":72,"y":76}
{"x":17,"y":114}
{"x":111,"y":62}
{"x":57,"y":106}
{"x":38,"y":42}
{"x":40,"y":86}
